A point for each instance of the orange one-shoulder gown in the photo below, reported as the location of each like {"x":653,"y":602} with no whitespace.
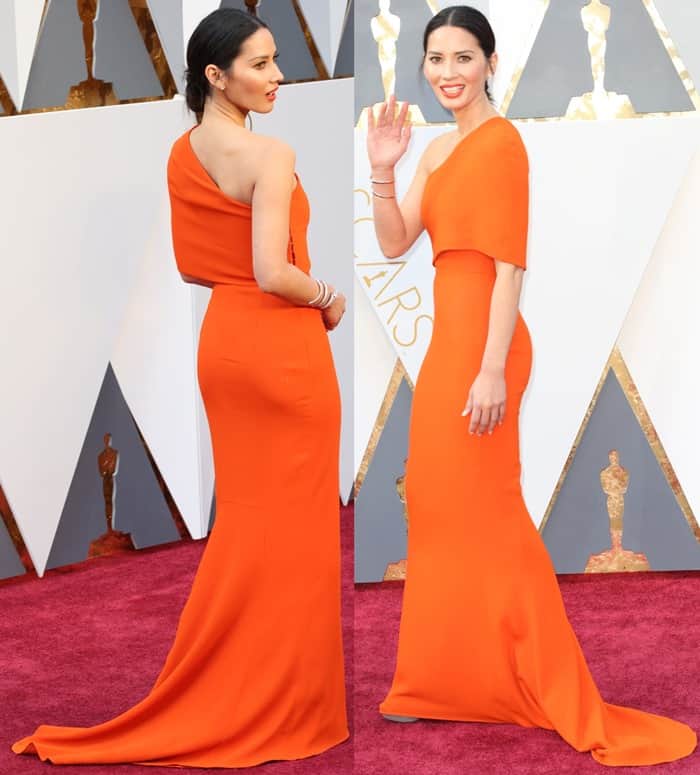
{"x":484,"y":635}
{"x":255,"y":672}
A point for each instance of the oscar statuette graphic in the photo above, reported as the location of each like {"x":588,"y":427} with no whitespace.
{"x":91,"y":92}
{"x":396,"y":571}
{"x":599,"y":103}
{"x":113,"y":540}
{"x":386,"y":29}
{"x":614,"y":481}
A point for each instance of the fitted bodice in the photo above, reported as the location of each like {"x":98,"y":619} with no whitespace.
{"x":477,"y":199}
{"x":212,"y":232}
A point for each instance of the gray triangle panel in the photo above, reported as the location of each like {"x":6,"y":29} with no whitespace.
{"x":139,"y":506}
{"x":559,"y":65}
{"x":654,"y":524}
{"x":410,"y":83}
{"x":380,"y":528}
{"x":167,"y":17}
{"x":10,"y":564}
{"x":295,"y":59}
{"x":344,"y":61}
{"x":121,"y":55}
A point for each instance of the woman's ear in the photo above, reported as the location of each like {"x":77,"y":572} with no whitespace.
{"x":493,"y":63}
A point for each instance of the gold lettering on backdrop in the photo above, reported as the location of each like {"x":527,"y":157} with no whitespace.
{"x":367,"y":197}
{"x":379,"y":278}
{"x":92,"y":92}
{"x":370,"y":280}
{"x":400,"y":303}
{"x":411,"y":342}
{"x":598,"y":103}
{"x":113,"y":540}
{"x":614,"y":481}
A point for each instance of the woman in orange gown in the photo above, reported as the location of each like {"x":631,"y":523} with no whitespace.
{"x":255,"y":672}
{"x":484,"y":635}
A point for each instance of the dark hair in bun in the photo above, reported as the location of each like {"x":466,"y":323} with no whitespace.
{"x":469,"y":19}
{"x":217,"y":40}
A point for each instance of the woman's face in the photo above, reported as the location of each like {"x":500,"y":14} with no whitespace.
{"x":253,"y":78}
{"x":456,"y":67}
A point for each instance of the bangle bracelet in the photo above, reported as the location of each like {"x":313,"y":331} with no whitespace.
{"x":324,"y":301}
{"x":318,"y":296}
{"x":325,"y":297}
{"x":384,"y":196}
{"x":372,"y":180}
{"x":332,"y":298}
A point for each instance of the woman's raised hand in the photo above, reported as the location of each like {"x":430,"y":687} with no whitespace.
{"x":388,"y":134}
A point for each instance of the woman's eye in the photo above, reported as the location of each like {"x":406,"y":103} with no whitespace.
{"x":260,"y":65}
{"x":465,"y":58}
{"x":434,"y":60}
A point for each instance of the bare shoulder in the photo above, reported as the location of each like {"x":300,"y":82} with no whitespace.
{"x":272,"y":156}
{"x":437,"y":149}
{"x":273,"y":145}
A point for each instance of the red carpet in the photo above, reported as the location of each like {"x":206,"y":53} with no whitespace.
{"x":86,"y":642}
{"x":640,"y":634}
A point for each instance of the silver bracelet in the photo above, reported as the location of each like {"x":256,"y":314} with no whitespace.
{"x":330,"y":301}
{"x":321,"y":293}
{"x":372,"y":180}
{"x":383,"y":196}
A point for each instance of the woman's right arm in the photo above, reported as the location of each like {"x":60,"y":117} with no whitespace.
{"x":270,"y":214}
{"x":397,"y":226}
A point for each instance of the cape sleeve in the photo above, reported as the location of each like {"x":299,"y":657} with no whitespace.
{"x":502,"y":227}
{"x":488,"y":203}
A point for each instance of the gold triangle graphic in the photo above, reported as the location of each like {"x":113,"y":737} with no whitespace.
{"x":673,"y":53}
{"x":149,"y":34}
{"x":179,"y":522}
{"x":15,"y":535}
{"x":86,"y":97}
{"x":6,"y":102}
{"x":624,"y":377}
{"x":619,"y":368}
{"x":520,"y":67}
{"x":398,"y":375}
{"x":316,"y":57}
{"x":666,"y":40}
{"x":321,"y":68}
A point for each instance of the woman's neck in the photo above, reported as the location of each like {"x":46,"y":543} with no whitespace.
{"x":470,"y":116}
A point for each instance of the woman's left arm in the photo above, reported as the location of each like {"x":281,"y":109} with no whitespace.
{"x":487,"y":396}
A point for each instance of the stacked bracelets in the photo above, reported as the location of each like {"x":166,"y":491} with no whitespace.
{"x":325,"y":296}
{"x":382,"y":182}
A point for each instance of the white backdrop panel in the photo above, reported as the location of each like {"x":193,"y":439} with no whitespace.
{"x":28,"y":15}
{"x":515,"y":26}
{"x":323,"y":146}
{"x":154,"y":362}
{"x":8,"y":48}
{"x":193,"y":11}
{"x":81,"y":190}
{"x":375,"y":359}
{"x":598,"y":201}
{"x":659,"y":338}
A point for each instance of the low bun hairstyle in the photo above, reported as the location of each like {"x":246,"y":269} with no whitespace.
{"x":217,"y":40}
{"x":469,"y":19}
